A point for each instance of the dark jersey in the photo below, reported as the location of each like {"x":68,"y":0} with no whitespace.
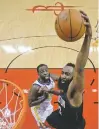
{"x":72,"y":116}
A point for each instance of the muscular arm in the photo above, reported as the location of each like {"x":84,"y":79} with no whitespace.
{"x":77,"y":85}
{"x":55,"y":92}
{"x":37,"y":102}
{"x":33,"y":96}
{"x":82,"y":56}
{"x":80,"y":63}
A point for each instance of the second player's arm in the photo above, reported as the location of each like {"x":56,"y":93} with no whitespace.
{"x":55,"y":92}
{"x":33,"y":96}
{"x":76,"y":87}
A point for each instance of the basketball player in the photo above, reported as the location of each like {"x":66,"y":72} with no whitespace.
{"x":39,"y":101}
{"x":71,"y":102}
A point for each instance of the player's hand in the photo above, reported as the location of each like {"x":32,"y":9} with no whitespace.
{"x":40,"y":90}
{"x":46,"y":89}
{"x":43,"y":89}
{"x":87,"y":24}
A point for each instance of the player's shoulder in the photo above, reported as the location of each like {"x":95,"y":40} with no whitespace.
{"x":35,"y":85}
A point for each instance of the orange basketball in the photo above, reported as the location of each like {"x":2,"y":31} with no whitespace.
{"x":69,"y":25}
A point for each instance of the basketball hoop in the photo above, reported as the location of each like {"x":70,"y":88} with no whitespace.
{"x":12,"y":105}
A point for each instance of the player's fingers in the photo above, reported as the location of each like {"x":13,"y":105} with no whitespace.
{"x":46,"y":93}
{"x":86,"y":24}
{"x":85,"y":18}
{"x":82,"y":12}
{"x":40,"y":90}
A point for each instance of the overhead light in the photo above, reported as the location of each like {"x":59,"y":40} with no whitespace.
{"x":98,"y":48}
{"x":23,"y":48}
{"x":15,"y":49}
{"x":94,"y":90}
{"x":94,"y":49}
{"x":94,"y":46}
{"x":8,"y":48}
{"x":91,"y":49}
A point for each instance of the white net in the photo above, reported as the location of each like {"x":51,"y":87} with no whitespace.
{"x":11,"y":103}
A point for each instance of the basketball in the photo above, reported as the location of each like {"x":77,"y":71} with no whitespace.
{"x":69,"y":25}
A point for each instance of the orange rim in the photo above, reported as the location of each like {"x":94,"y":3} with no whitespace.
{"x":23,"y":111}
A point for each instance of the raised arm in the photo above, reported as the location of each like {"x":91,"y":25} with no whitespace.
{"x":33,"y":99}
{"x":83,"y":54}
{"x":77,"y":85}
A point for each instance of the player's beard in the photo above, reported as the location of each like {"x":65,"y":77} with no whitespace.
{"x":63,"y":85}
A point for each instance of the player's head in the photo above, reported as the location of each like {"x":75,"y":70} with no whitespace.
{"x":66,"y":76}
{"x":43,"y":73}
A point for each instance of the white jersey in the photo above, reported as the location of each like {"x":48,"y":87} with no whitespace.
{"x":43,"y":110}
{"x":50,"y":85}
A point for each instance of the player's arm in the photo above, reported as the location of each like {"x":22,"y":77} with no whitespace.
{"x":54,"y":77}
{"x":77,"y":85}
{"x":33,"y":96}
{"x":55,"y":92}
{"x":40,"y":100}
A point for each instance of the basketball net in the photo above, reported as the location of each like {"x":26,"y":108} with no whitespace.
{"x":12,"y":105}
